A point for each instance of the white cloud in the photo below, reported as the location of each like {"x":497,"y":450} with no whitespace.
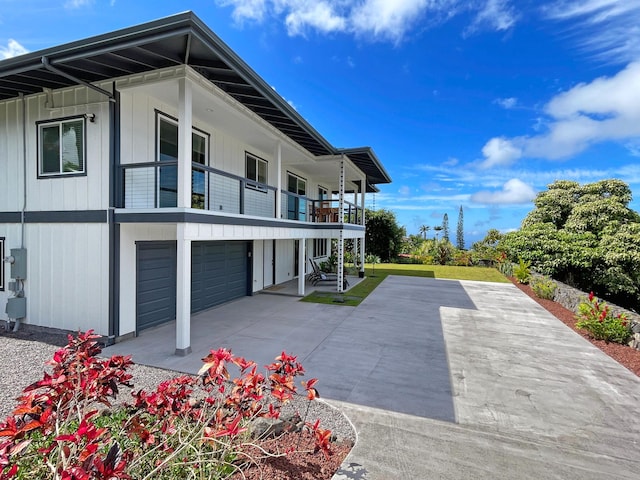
{"x":254,"y":10}
{"x":494,"y":15}
{"x":404,"y":190}
{"x":606,"y":109}
{"x":500,"y":151}
{"x":609,"y":29}
{"x":77,"y":3}
{"x":382,"y":20}
{"x":386,"y":19}
{"x":513,"y":192}
{"x":320,"y":16}
{"x":13,"y":49}
{"x":506,"y":103}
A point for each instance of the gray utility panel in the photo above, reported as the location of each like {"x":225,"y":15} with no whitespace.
{"x":219,"y":273}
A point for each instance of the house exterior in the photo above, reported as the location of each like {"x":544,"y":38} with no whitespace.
{"x":149,"y":173}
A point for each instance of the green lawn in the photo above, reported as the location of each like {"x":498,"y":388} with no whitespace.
{"x":376,"y":275}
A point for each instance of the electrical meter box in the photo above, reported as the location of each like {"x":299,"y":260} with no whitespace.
{"x":16,"y":307}
{"x":19,"y":265}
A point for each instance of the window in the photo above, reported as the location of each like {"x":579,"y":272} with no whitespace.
{"x":2,"y":264}
{"x":256,"y":169}
{"x":296,"y":206}
{"x":323,"y":194}
{"x":320,"y":247}
{"x":168,"y":152}
{"x":62,"y":147}
{"x":199,"y":154}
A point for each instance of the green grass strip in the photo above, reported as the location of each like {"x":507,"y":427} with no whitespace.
{"x":376,"y":274}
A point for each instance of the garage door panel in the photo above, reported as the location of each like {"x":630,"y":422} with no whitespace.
{"x":156,"y":284}
{"x":219,"y":273}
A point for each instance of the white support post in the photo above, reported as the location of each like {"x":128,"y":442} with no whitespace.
{"x":302,"y":249}
{"x":185,"y":123}
{"x":341,"y":230}
{"x":183,"y":292}
{"x":278,"y":156}
{"x":363,"y":192}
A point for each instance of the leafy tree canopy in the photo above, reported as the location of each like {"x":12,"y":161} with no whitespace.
{"x":383,"y":236}
{"x":584,"y":235}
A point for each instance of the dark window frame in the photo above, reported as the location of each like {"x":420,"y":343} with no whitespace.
{"x":39,"y":143}
{"x":159,"y":117}
{"x":255,"y":183}
{"x":320,"y":247}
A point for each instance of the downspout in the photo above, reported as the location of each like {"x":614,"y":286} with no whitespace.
{"x":24,"y":167}
{"x":20,"y":291}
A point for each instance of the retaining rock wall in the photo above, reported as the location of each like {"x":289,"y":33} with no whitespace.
{"x":570,"y":298}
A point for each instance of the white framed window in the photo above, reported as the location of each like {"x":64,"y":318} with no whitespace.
{"x":2,"y":264}
{"x":61,"y":148}
{"x":255,"y":169}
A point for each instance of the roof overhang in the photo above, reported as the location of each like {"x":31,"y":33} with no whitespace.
{"x":181,"y":39}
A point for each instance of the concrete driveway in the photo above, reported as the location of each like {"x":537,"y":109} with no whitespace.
{"x":442,"y":380}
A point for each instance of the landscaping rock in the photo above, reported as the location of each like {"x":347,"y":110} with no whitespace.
{"x":570,"y":298}
{"x":272,"y":427}
{"x":635,"y":341}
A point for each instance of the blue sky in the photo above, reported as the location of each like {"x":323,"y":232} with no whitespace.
{"x":474,"y":103}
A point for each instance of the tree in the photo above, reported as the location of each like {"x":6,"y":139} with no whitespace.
{"x":586,"y":236}
{"x":423,"y":230}
{"x":383,"y":236}
{"x":445,"y":227}
{"x":437,"y":229}
{"x":460,"y":230}
{"x":486,"y":249}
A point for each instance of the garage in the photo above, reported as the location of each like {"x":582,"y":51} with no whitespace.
{"x":219,"y":273}
{"x":156,"y":284}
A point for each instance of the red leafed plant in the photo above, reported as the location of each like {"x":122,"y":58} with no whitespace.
{"x":65,"y":426}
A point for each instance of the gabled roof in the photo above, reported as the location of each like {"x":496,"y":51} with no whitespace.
{"x":181,"y":39}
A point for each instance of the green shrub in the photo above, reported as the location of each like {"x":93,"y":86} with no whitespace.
{"x":522,"y":272}
{"x":595,"y":317}
{"x":543,"y":287}
{"x":462,"y":258}
{"x":506,"y":268}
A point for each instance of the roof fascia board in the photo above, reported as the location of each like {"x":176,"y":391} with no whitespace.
{"x":371,"y":154}
{"x":68,"y":51}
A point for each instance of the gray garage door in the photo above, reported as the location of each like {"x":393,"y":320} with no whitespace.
{"x":156,"y":283}
{"x":219,"y":273}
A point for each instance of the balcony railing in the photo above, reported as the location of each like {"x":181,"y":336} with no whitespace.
{"x":155,"y":185}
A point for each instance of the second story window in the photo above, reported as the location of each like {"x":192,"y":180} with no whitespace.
{"x":255,"y":169}
{"x":61,"y":147}
{"x":167,"y":148}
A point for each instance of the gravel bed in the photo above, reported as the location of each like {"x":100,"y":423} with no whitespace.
{"x":23,"y":356}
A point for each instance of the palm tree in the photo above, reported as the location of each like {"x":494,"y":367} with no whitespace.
{"x":423,"y":230}
{"x":437,"y":229}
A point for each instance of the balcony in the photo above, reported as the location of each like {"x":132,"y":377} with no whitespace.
{"x":154,"y":185}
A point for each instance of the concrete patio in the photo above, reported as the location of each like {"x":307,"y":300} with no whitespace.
{"x":442,"y":379}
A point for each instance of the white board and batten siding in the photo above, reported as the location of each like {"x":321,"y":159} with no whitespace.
{"x":67,"y":263}
{"x":67,"y":274}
